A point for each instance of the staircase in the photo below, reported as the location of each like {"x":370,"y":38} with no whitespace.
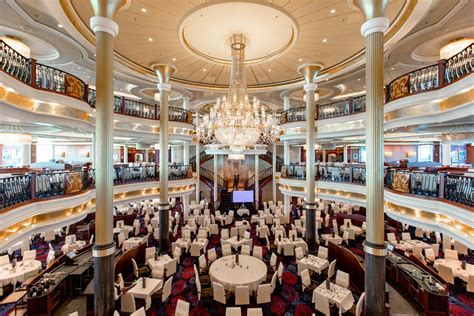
{"x":203,"y":157}
{"x":268,"y":157}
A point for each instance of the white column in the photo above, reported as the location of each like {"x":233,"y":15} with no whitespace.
{"x":173,"y":153}
{"x":286,"y":203}
{"x":93,"y":151}
{"x":185,"y":103}
{"x":257,"y":185}
{"x":345,"y":154}
{"x":125,"y":154}
{"x":186,"y":152}
{"x":198,"y":171}
{"x":446,"y":156}
{"x":286,"y":103}
{"x":215,"y":180}
{"x":324,"y":155}
{"x":145,"y":158}
{"x":25,"y":155}
{"x":274,"y":187}
{"x":286,"y":153}
{"x":186,"y":205}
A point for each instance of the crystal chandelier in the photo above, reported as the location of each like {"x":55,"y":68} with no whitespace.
{"x":234,"y":120}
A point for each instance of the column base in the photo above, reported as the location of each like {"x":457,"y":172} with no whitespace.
{"x":311,"y":226}
{"x":164,"y":216}
{"x":375,"y":278}
{"x":104,"y":256}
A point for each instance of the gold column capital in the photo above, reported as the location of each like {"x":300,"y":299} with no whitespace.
{"x":109,"y":8}
{"x":370,"y":8}
{"x":310,"y":71}
{"x":164,"y":71}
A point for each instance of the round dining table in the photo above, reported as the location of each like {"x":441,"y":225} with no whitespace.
{"x":22,"y":271}
{"x":250,"y":271}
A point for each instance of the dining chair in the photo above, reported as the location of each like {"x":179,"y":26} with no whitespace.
{"x":470,"y":283}
{"x":171,"y":267}
{"x":451,"y":254}
{"x":202,"y":263}
{"x":273,"y":261}
{"x":29,"y":255}
{"x":264,"y":293}
{"x":254,"y":311}
{"x":177,"y":253}
{"x":242,"y":295}
{"x":406,"y":236}
{"x":198,"y":283}
{"x":305,"y":280}
{"x":246,"y":250}
{"x":150,"y":253}
{"x":435,"y":248}
{"x":274,"y":281}
{"x":460,"y":248}
{"x":446,"y":273}
{"x":247,"y":235}
{"x":158,"y":272}
{"x":214,"y":229}
{"x":138,"y":272}
{"x":321,"y":304}
{"x":280,"y":272}
{"x":226,"y":250}
{"x":234,"y":231}
{"x":182,"y":308}
{"x":212,"y":255}
{"x":258,"y":252}
{"x":332,"y":269}
{"x":438,"y":237}
{"x":219,"y":293}
{"x":299,"y":253}
{"x":225,"y":233}
{"x":233,"y":311}
{"x":360,"y":304}
{"x":342,"y":279}
{"x":391,"y":237}
{"x":139,"y":312}
{"x":195,"y":250}
{"x":167,"y":289}
{"x":323,"y":252}
{"x":127,"y":303}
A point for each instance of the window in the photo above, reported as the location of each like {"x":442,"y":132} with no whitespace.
{"x":425,"y":153}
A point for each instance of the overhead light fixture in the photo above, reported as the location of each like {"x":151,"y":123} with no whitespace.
{"x":174,"y":59}
{"x":454,"y":47}
{"x":333,"y":11}
{"x":325,"y":40}
{"x":150,"y":39}
{"x":60,"y":26}
{"x":144,"y":10}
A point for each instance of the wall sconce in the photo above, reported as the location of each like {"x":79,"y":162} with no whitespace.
{"x":62,"y":154}
{"x":88,"y":154}
{"x":387,"y":154}
{"x":410,"y":154}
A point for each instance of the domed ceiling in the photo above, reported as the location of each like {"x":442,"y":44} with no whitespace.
{"x":194,"y":35}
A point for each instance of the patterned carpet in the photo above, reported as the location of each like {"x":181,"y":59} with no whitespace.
{"x":286,"y":300}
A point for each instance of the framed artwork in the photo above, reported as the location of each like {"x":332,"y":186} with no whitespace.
{"x":355,"y":156}
{"x":462,"y":155}
{"x":454,"y":156}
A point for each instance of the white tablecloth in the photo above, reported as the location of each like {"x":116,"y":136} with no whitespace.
{"x":403,"y":245}
{"x":456,"y":266}
{"x":242,"y":211}
{"x":285,"y":242}
{"x":357,"y":230}
{"x":152,"y":286}
{"x":313,"y":263}
{"x":23,"y":270}
{"x":182,"y":243}
{"x":161,"y":262}
{"x":234,"y":243}
{"x":251,"y":271}
{"x":335,"y":240}
{"x":79,"y":244}
{"x":415,"y":242}
{"x":129,"y":228}
{"x":132,"y":242}
{"x":336,"y":295}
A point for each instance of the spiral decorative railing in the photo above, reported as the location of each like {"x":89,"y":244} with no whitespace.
{"x":453,"y":187}
{"x":43,"y":77}
{"x":421,"y":80}
{"x":262,"y":175}
{"x":22,"y":188}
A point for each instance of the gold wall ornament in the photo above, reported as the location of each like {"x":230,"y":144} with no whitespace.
{"x":400,"y":87}
{"x":73,"y":182}
{"x":401,"y":182}
{"x":74,"y":87}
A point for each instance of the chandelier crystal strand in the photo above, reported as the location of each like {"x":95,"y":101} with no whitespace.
{"x":234,"y":120}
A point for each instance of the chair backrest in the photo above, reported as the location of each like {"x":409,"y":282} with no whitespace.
{"x":360,"y":304}
{"x":435,"y":248}
{"x":219,"y":293}
{"x":345,"y":236}
{"x":182,"y":308}
{"x":139,"y":312}
{"x":460,"y":248}
{"x":305,"y":278}
{"x":242,"y":295}
{"x":150,"y":253}
{"x":332,"y":269}
{"x":321,"y":303}
{"x":202,"y":233}
{"x":347,"y":220}
{"x":391,"y":237}
{"x":212,"y":254}
{"x":127,"y":303}
{"x":254,"y":312}
{"x":273,"y":260}
{"x":470,"y":283}
{"x":274,"y":281}
{"x":417,"y":250}
{"x":167,"y":289}
{"x":451,"y":254}
{"x":233,"y":311}
{"x":299,"y":253}
{"x":186,"y":234}
{"x":171,"y":267}
{"x":225,"y":233}
{"x":342,"y":279}
{"x":246,"y":250}
{"x":446,"y":273}
{"x":264,"y":293}
{"x":323,"y":252}
{"x":70,"y":239}
{"x":120,"y":281}
{"x":226,"y":250}
{"x":202,"y":262}
{"x":247,"y":235}
{"x":280,"y":271}
{"x":292,"y":233}
{"x":446,"y":242}
{"x":406,"y":236}
{"x":29,"y":255}
{"x":198,"y":283}
{"x":429,"y":254}
{"x":258,"y":252}
{"x":438,"y":237}
{"x":135,"y":268}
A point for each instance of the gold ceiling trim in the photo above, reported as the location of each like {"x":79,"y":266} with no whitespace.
{"x":82,"y":208}
{"x":87,"y":33}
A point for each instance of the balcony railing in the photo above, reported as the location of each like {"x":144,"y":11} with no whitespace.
{"x":22,"y":188}
{"x":43,"y":77}
{"x":421,"y":80}
{"x":453,"y":187}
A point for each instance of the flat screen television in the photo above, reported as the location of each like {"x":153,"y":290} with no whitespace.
{"x":245,"y":196}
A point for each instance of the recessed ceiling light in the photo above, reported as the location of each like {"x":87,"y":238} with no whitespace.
{"x":333,"y":11}
{"x":325,"y":40}
{"x":60,"y":26}
{"x":79,"y":67}
{"x":174,"y":59}
{"x":392,"y":68}
{"x":269,"y":70}
{"x":300,"y":59}
{"x":144,"y":10}
{"x":358,"y":79}
{"x":88,"y":76}
{"x":150,"y":39}
{"x":327,"y":79}
{"x":204,"y":70}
